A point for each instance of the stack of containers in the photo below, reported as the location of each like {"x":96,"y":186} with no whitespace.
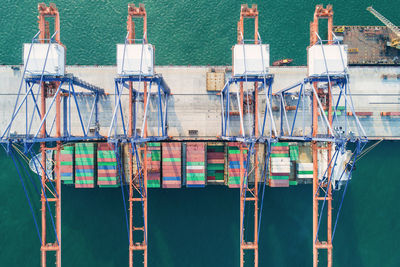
{"x":234,"y":164}
{"x":294,"y":152}
{"x":84,"y":165}
{"x":195,"y":161}
{"x":67,"y":165}
{"x":153,"y":165}
{"x":279,"y":165}
{"x":107,"y":170}
{"x":215,"y":163}
{"x":171,"y":165}
{"x":305,"y":170}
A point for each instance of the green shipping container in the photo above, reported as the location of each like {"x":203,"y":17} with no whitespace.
{"x":279,"y":177}
{"x":153,"y":183}
{"x":190,"y":163}
{"x":292,"y":182}
{"x":234,"y":180}
{"x":305,"y":172}
{"x":172,"y":159}
{"x":280,"y":144}
{"x":294,"y":153}
{"x":153,"y":144}
{"x":155,"y":155}
{"x":109,"y":186}
{"x":215,"y":167}
{"x":286,"y":155}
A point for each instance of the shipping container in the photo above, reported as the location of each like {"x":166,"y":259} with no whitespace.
{"x":107,"y":169}
{"x":280,"y":165}
{"x":234,"y":164}
{"x":294,"y":153}
{"x":84,"y":165}
{"x":171,"y":165}
{"x":215,"y":162}
{"x":67,"y":164}
{"x":195,"y":165}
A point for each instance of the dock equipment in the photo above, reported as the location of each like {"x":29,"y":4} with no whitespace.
{"x":395,"y":42}
{"x":46,"y":82}
{"x":308,"y":112}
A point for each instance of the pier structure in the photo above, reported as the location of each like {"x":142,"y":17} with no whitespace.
{"x":251,"y":111}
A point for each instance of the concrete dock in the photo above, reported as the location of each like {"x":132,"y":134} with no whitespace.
{"x":192,"y":108}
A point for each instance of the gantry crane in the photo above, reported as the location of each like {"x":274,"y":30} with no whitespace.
{"x":50,"y":196}
{"x":325,"y":97}
{"x":139,"y":83}
{"x":137,"y":188}
{"x":395,"y":42}
{"x":245,"y":187}
{"x":49,"y":81}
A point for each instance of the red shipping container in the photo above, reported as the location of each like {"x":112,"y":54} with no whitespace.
{"x":216,"y":161}
{"x":215,"y":155}
{"x":193,"y":158}
{"x":195,"y":171}
{"x":86,"y":156}
{"x":153,"y":176}
{"x":106,"y":182}
{"x":106,"y":160}
{"x":171,"y":186}
{"x":279,"y":183}
{"x":279,"y":152}
{"x":84,"y":167}
{"x":84,"y":185}
{"x":66,"y":157}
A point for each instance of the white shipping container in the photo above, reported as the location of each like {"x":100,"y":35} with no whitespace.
{"x":250,"y":59}
{"x":195,"y":167}
{"x":280,"y":161}
{"x":305,"y":166}
{"x":280,"y":167}
{"x":304,"y":176}
{"x":335,"y":59}
{"x":55,"y":63}
{"x":138,"y":59}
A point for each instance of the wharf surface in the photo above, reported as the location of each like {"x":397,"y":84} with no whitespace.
{"x":191,"y":107}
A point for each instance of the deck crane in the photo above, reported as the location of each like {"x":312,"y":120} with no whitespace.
{"x":395,"y":42}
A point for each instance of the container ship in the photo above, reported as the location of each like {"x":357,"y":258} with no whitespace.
{"x":186,"y":164}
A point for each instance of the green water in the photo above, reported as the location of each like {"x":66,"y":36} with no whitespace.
{"x":198,"y":227}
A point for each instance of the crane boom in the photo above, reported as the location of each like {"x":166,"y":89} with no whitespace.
{"x":385,"y":21}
